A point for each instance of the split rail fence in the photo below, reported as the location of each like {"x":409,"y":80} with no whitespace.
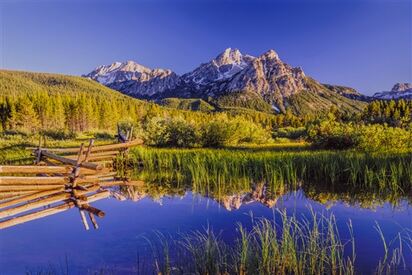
{"x":61,"y":179}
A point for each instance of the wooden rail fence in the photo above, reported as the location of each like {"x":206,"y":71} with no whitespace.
{"x":61,"y":179}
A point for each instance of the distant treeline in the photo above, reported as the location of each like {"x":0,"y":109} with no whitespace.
{"x":33,"y":102}
{"x":395,"y":113}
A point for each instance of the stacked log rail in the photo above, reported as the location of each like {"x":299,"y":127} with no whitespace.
{"x":63,"y":178}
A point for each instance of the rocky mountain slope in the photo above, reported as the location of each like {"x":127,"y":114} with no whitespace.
{"x":232,"y":79}
{"x":134,"y":79}
{"x":399,"y":91}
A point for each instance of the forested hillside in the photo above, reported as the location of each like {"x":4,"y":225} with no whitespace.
{"x":57,"y":105}
{"x":39,"y":101}
{"x":31,"y":101}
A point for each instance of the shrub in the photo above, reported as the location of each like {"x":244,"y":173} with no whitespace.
{"x":335,"y":135}
{"x":215,"y":133}
{"x":156,"y":131}
{"x":181,"y":133}
{"x":252,"y":133}
{"x":170,"y":132}
{"x":290,"y":133}
{"x":218,"y":132}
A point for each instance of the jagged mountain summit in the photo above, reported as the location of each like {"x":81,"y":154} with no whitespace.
{"x":134,"y":79}
{"x":223,"y":67}
{"x":232,"y":79}
{"x":399,"y":91}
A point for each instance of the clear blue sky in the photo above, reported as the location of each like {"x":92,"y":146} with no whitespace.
{"x":359,"y":43}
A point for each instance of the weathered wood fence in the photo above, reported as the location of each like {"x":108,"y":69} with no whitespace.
{"x":61,"y":179}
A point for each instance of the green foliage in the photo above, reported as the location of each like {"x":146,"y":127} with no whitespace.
{"x":177,"y":132}
{"x":75,"y":104}
{"x":290,"y":132}
{"x":217,"y":132}
{"x":335,"y":135}
{"x":395,"y":113}
{"x":318,"y":99}
{"x":191,"y":104}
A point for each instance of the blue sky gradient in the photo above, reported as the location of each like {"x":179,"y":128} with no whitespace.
{"x":365,"y":44}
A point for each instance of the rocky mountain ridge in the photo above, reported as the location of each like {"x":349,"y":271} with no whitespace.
{"x":232,"y":79}
{"x":399,"y":91}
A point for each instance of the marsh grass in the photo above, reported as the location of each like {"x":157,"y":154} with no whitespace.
{"x":287,"y":245}
{"x":225,"y":170}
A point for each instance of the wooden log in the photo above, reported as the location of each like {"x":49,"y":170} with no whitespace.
{"x":89,"y":150}
{"x":84,"y":220}
{"x":33,"y":180}
{"x":80,"y":154}
{"x":29,"y":197}
{"x":15,"y":193}
{"x":105,"y":163}
{"x":88,"y":189}
{"x":34,"y":169}
{"x":111,"y":183}
{"x":38,"y":157}
{"x":107,"y":178}
{"x":50,"y":211}
{"x":108,"y":147}
{"x":93,"y":220}
{"x":85,"y":171}
{"x":34,"y":204}
{"x":98,"y":158}
{"x":99,"y":213}
{"x":99,"y":195}
{"x":6,"y":196}
{"x":14,"y":188}
{"x":36,"y":215}
{"x":64,"y":160}
{"x":98,"y":154}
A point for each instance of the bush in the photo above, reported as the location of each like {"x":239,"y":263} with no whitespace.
{"x":335,"y":135}
{"x":253,"y":133}
{"x":217,"y":133}
{"x":170,"y":132}
{"x":290,"y":133}
{"x":181,"y":133}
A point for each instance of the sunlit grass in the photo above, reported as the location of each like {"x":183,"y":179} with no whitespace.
{"x":208,"y":170}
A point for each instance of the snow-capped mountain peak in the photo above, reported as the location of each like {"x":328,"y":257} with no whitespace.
{"x":270,"y":54}
{"x":134,"y":79}
{"x":399,"y":91}
{"x":224,"y":66}
{"x":229,"y":56}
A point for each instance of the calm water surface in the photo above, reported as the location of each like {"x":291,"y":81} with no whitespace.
{"x":119,"y":245}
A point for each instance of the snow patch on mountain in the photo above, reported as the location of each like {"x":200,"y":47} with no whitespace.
{"x":399,"y":91}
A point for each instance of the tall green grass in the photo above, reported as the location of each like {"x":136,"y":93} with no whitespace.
{"x":221,"y":171}
{"x":287,"y":246}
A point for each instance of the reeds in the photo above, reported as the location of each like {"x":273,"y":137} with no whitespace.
{"x":225,"y":170}
{"x":288,"y":246}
